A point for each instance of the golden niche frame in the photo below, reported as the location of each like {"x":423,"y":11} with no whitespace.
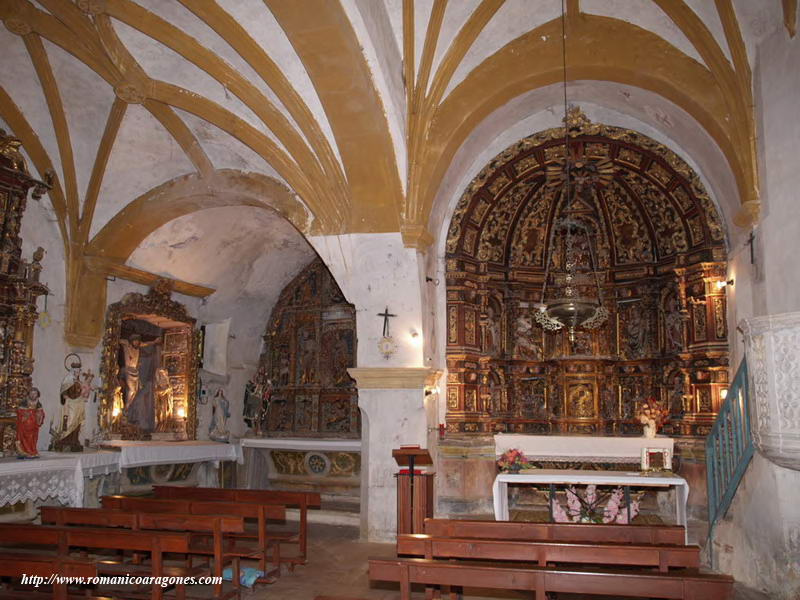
{"x":175,"y":402}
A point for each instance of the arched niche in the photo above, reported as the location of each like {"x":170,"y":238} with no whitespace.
{"x":158,"y":400}
{"x":661,"y":252}
{"x":309,"y":343}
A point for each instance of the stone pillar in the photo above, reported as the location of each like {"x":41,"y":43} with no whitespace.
{"x":772,"y":346}
{"x":393,"y":413}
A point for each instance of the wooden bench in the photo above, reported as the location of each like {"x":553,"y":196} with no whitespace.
{"x":17,"y":564}
{"x":563,"y":532}
{"x":661,"y":556}
{"x":266,"y":544}
{"x":301,"y":500}
{"x":62,"y":539}
{"x":217,"y":526}
{"x":541,"y":580}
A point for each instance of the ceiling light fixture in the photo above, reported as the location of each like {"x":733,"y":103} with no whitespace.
{"x":571,"y":264}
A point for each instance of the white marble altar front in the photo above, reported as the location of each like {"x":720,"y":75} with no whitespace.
{"x":580,"y":448}
{"x":577,"y":477}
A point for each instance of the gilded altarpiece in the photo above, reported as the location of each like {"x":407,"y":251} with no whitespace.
{"x":661,"y":251}
{"x":19,"y":288}
{"x":310,"y":342}
{"x":157,"y":321}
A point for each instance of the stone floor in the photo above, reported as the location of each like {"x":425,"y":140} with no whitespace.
{"x":337,"y":566}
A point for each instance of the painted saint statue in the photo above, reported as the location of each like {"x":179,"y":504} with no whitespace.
{"x":66,"y":433}
{"x":220,"y":412}
{"x":29,"y":420}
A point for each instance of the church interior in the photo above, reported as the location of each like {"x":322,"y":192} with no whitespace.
{"x":377,"y":299}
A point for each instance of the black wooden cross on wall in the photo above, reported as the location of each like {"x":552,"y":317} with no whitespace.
{"x":386,"y":315}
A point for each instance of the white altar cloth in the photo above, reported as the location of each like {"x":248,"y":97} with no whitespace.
{"x":575,"y":477}
{"x":53,"y":475}
{"x":139,"y":454}
{"x":318,"y":444}
{"x":568,"y":448}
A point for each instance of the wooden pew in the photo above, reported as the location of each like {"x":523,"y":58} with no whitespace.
{"x":62,"y":539}
{"x":563,"y":532}
{"x":543,"y":553}
{"x":301,"y":500}
{"x":260,"y":512}
{"x":217,"y":526}
{"x":17,"y":564}
{"x":635,"y":584}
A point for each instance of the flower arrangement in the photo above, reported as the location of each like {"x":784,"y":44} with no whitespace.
{"x":586,"y":508}
{"x":652,"y":414}
{"x":513,"y":461}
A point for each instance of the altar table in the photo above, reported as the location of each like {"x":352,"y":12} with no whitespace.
{"x":139,"y":454}
{"x":575,"y":477}
{"x":581,"y":448}
{"x":52,"y":475}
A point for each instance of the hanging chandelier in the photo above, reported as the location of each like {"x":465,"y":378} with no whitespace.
{"x":571,"y":266}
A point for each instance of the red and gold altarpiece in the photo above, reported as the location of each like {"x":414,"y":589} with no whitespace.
{"x":661,"y":253}
{"x":310,"y":342}
{"x":19,"y":288}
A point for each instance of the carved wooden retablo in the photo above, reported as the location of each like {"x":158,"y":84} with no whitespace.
{"x":310,"y":342}
{"x":661,"y":251}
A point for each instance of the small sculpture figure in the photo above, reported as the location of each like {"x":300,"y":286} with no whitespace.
{"x":252,"y":404}
{"x":66,"y":435}
{"x":220,"y":412}
{"x":29,"y":420}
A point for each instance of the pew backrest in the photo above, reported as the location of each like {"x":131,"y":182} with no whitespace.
{"x":98,"y":517}
{"x":101,"y":517}
{"x":662,"y":556}
{"x":566,"y":532}
{"x":94,"y":537}
{"x":200,"y":507}
{"x":286,"y":498}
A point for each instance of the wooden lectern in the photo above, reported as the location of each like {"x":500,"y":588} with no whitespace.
{"x":414,"y":490}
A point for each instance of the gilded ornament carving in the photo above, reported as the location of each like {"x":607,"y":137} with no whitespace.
{"x":699,"y":321}
{"x":469,"y":328}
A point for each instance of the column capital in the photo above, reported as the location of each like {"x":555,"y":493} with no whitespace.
{"x":391,"y":378}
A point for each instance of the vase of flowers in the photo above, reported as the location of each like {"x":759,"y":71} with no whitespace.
{"x":652,"y":415}
{"x":513,"y":461}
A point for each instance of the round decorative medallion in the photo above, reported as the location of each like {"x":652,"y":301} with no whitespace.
{"x":92,"y":7}
{"x":17,"y":26}
{"x":128,"y":92}
{"x":317,"y":464}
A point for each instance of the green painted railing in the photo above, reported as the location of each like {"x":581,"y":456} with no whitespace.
{"x":729,"y":448}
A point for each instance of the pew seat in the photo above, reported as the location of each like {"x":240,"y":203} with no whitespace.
{"x":687,"y":585}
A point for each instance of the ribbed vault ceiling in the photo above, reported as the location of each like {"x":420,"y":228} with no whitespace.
{"x":354,"y":108}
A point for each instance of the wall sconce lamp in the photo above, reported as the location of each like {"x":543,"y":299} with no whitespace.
{"x":723,"y":393}
{"x":723,"y":284}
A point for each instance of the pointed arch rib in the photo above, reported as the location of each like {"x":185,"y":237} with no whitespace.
{"x":600,"y":49}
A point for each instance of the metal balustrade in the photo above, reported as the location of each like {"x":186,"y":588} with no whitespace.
{"x":729,"y":448}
